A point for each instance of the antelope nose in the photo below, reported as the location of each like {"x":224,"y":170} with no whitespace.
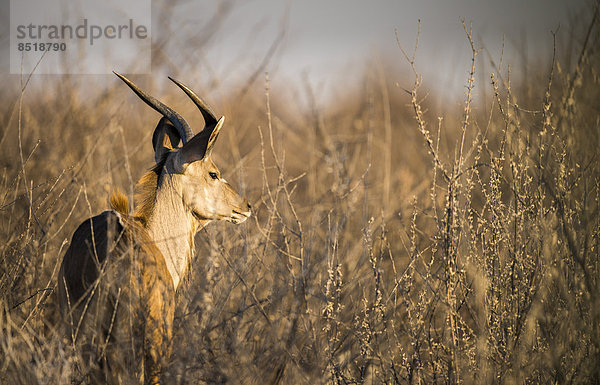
{"x":249,"y":207}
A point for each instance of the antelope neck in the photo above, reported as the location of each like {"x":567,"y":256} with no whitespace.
{"x":172,"y":227}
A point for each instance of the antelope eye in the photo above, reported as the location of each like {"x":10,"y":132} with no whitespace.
{"x":213,"y":175}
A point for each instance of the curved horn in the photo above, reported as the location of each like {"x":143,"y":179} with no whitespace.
{"x":177,"y":120}
{"x":209,"y":116}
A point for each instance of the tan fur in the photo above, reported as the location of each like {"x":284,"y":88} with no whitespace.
{"x":109,"y":264}
{"x":145,"y":196}
{"x":117,"y":298}
{"x":118,"y":278}
{"x":138,"y":276}
{"x":119,"y":202}
{"x":151,"y":281}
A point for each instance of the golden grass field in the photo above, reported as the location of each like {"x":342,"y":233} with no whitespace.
{"x":390,"y":242}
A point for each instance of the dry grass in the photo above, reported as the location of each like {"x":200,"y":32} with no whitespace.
{"x":387,"y":245}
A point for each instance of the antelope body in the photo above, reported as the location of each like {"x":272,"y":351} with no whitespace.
{"x":118,"y":278}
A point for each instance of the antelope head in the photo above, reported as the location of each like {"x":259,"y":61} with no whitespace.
{"x":185,"y":164}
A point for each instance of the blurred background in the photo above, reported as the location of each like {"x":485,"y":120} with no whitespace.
{"x":329,"y":43}
{"x":429,"y":225}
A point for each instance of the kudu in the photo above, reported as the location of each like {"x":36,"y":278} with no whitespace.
{"x":118,"y":278}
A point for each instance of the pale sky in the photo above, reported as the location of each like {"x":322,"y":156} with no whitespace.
{"x":328,"y":41}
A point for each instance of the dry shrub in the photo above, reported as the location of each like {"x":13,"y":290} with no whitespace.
{"x":386,"y":245}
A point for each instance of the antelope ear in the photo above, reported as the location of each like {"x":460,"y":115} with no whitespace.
{"x":165,"y":138}
{"x":213,"y":136}
{"x":200,"y":146}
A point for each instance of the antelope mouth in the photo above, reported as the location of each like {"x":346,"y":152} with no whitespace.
{"x":238,"y":216}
